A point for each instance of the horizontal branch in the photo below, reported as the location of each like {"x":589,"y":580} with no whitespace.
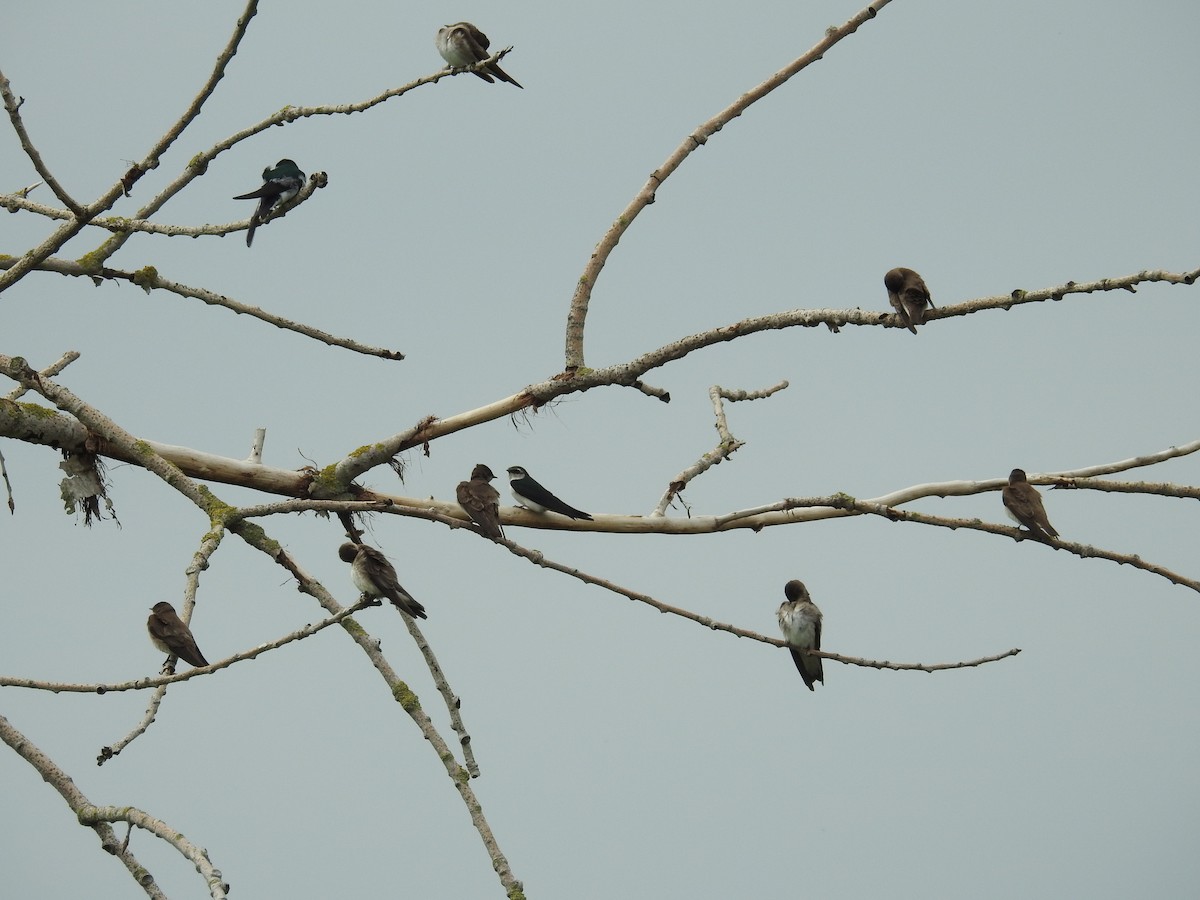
{"x":1161,"y":488}
{"x":19,"y":203}
{"x":837,"y":319}
{"x":910,"y":667}
{"x":35,"y":424}
{"x":1083,"y":551}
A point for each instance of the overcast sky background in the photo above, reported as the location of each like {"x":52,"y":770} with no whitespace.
{"x":991,"y":146}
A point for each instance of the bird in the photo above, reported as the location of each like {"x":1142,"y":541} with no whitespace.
{"x":170,"y":635}
{"x":1023,"y":504}
{"x":531,"y":495}
{"x":280,"y":185}
{"x":482,"y":501}
{"x":800,"y":622}
{"x":374,"y":576}
{"x":462,"y":45}
{"x":908,"y":296}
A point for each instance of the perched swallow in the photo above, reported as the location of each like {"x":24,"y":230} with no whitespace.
{"x":280,"y":185}
{"x":462,"y":45}
{"x":374,"y":576}
{"x":908,"y":296}
{"x":1023,"y":504}
{"x":482,"y":501}
{"x":800,"y":622}
{"x":170,"y":635}
{"x":531,"y":495}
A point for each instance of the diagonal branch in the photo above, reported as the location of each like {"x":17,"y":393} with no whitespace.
{"x":1083,"y":551}
{"x":199,"y":163}
{"x":55,"y":242}
{"x":148,"y":279}
{"x":577,"y":315}
{"x":539,"y":559}
{"x":13,"y":105}
{"x":97,"y":819}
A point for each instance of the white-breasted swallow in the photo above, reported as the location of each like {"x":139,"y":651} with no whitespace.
{"x":800,"y":622}
{"x":280,"y":185}
{"x":532,"y":495}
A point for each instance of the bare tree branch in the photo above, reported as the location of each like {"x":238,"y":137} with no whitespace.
{"x":97,"y":819}
{"x":540,"y":559}
{"x":727,"y":444}
{"x":13,"y":105}
{"x":141,"y":684}
{"x":60,"y":237}
{"x":577,"y":315}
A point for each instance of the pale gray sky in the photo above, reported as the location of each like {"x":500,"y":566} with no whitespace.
{"x":991,"y":146}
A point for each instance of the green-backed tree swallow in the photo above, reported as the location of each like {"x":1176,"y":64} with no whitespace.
{"x":1023,"y":504}
{"x":908,"y":295}
{"x":800,"y":622}
{"x":280,"y":185}
{"x":374,"y":576}
{"x":482,"y":501}
{"x":170,"y":635}
{"x":462,"y":45}
{"x":531,"y":495}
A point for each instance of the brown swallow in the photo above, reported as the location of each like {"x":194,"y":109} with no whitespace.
{"x":908,"y":296}
{"x":170,"y":635}
{"x":374,"y":576}
{"x":800,"y":622}
{"x":462,"y":45}
{"x":482,"y":502}
{"x":1023,"y":504}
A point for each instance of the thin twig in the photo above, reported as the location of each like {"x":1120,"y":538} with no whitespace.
{"x":727,"y":444}
{"x":13,"y":105}
{"x":208,"y":546}
{"x":49,"y":372}
{"x":452,"y":700}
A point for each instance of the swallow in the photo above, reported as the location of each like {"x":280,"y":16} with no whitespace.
{"x":462,"y":45}
{"x":374,"y":576}
{"x":280,"y":185}
{"x":800,"y":622}
{"x":908,"y":296}
{"x":482,"y":502}
{"x":531,"y":495}
{"x":170,"y":635}
{"x":1023,"y":504}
